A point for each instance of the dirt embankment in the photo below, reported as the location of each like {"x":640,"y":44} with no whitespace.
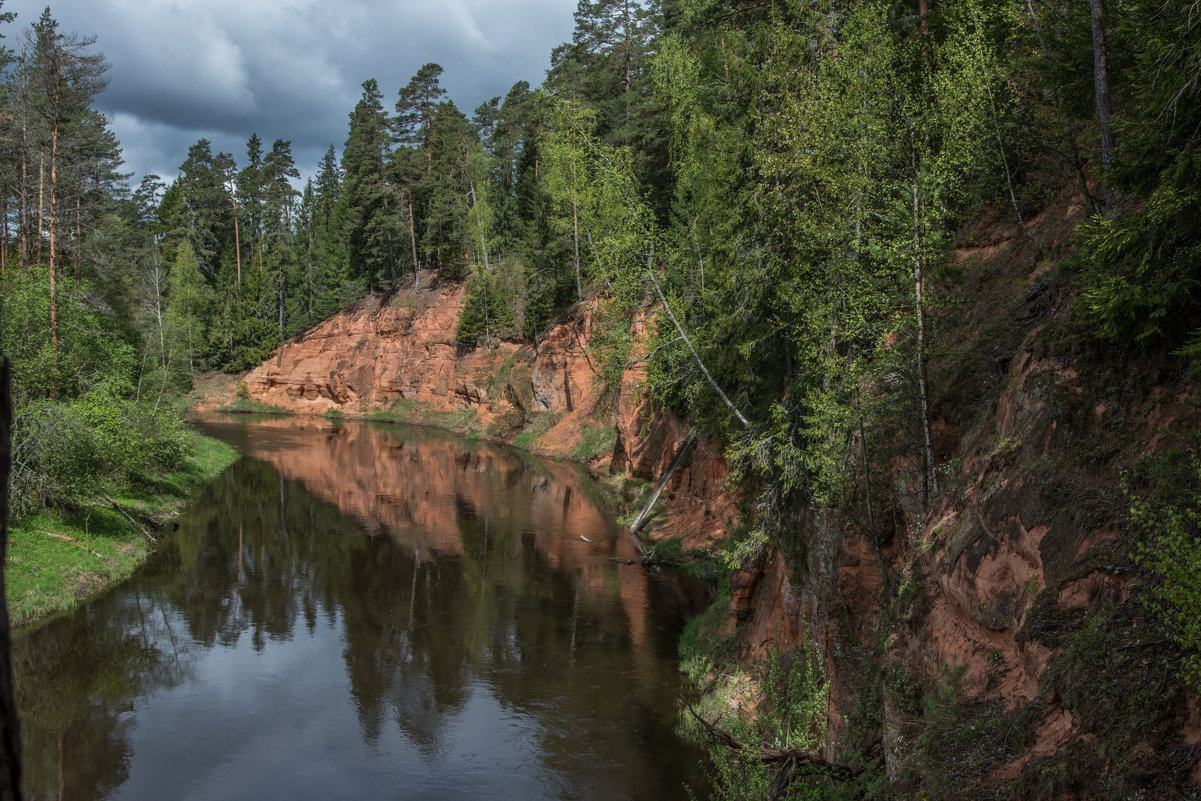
{"x":1005,"y":656}
{"x":397,"y":355}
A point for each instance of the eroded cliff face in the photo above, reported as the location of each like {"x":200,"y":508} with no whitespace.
{"x":397,"y":354}
{"x":998,"y":651}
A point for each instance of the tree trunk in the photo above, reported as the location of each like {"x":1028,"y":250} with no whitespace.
{"x":650,"y":273}
{"x":628,"y":58}
{"x":53,"y":292}
{"x":923,"y":8}
{"x":237,"y":240}
{"x":10,"y":740}
{"x":575,"y":236}
{"x":1101,"y":84}
{"x":53,"y":192}
{"x":281,"y":304}
{"x":23,"y":211}
{"x":78,"y":231}
{"x":930,"y":481}
{"x":479,"y":220}
{"x":413,"y":241}
{"x":41,"y":202}
{"x":1069,"y":130}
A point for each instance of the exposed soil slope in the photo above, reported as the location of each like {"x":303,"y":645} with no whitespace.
{"x":1005,"y":657}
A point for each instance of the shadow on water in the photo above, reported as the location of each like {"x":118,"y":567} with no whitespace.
{"x":375,"y":611}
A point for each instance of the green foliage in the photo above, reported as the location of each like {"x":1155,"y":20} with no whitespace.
{"x":1144,"y":285}
{"x":249,"y":405}
{"x":536,"y":424}
{"x":1167,"y":522}
{"x":67,"y":452}
{"x":595,"y":441}
{"x":46,"y":575}
{"x":781,"y":705}
{"x":487,"y":314}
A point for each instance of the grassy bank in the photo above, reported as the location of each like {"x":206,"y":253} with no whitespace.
{"x":58,"y":559}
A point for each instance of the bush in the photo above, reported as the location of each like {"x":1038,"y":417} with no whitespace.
{"x":1168,"y":524}
{"x":66,"y":452}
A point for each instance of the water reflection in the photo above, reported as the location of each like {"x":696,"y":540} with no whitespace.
{"x":358,"y":610}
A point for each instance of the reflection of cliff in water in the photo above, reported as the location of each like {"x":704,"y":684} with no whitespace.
{"x":403,"y":481}
{"x":481,"y":596}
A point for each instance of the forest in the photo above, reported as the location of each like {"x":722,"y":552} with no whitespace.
{"x":783,"y":180}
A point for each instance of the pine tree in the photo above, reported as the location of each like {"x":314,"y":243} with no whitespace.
{"x":371,"y":199}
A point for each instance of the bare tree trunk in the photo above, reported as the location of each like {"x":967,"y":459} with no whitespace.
{"x":3,"y":230}
{"x":930,"y":481}
{"x":41,"y":201}
{"x":479,"y":219}
{"x":575,"y":241}
{"x":10,"y":740}
{"x":1101,"y":84}
{"x":650,"y":272}
{"x":628,"y":58}
{"x":78,"y":231}
{"x":992,"y":107}
{"x":237,"y":240}
{"x":53,"y":193}
{"x":413,"y":242}
{"x":23,"y":211}
{"x":575,"y":235}
{"x":53,"y":295}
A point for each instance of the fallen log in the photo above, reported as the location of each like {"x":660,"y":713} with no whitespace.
{"x":129,"y":517}
{"x":681,"y":452}
{"x":791,"y":763}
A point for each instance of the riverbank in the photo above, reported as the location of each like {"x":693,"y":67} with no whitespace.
{"x":394,"y":358}
{"x":56,"y":560}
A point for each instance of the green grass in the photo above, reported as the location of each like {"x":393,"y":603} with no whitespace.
{"x":253,"y":405}
{"x":47,"y":575}
{"x":408,"y":410}
{"x":333,"y":414}
{"x":595,"y":442}
{"x":537,"y":424}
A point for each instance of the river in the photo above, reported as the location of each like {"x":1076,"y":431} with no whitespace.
{"x":368,"y":612}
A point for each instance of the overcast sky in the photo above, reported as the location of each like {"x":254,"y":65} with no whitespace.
{"x":290,"y":69}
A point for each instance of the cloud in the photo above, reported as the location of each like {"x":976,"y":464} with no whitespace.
{"x":291,"y":69}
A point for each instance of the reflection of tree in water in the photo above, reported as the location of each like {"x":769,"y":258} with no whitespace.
{"x":75,"y":681}
{"x":509,"y":612}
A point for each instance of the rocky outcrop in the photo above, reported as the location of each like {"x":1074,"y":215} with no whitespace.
{"x":397,"y":353}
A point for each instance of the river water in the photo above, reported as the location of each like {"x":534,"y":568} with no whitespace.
{"x":368,"y":612}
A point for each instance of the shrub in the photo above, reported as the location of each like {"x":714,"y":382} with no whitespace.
{"x":1168,"y":524}
{"x":66,"y":452}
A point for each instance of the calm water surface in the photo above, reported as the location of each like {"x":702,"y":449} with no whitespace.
{"x":371,"y":613}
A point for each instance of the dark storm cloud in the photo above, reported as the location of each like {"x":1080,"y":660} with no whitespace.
{"x":291,"y":69}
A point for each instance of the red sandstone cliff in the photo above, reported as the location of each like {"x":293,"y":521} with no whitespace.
{"x":398,"y":354}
